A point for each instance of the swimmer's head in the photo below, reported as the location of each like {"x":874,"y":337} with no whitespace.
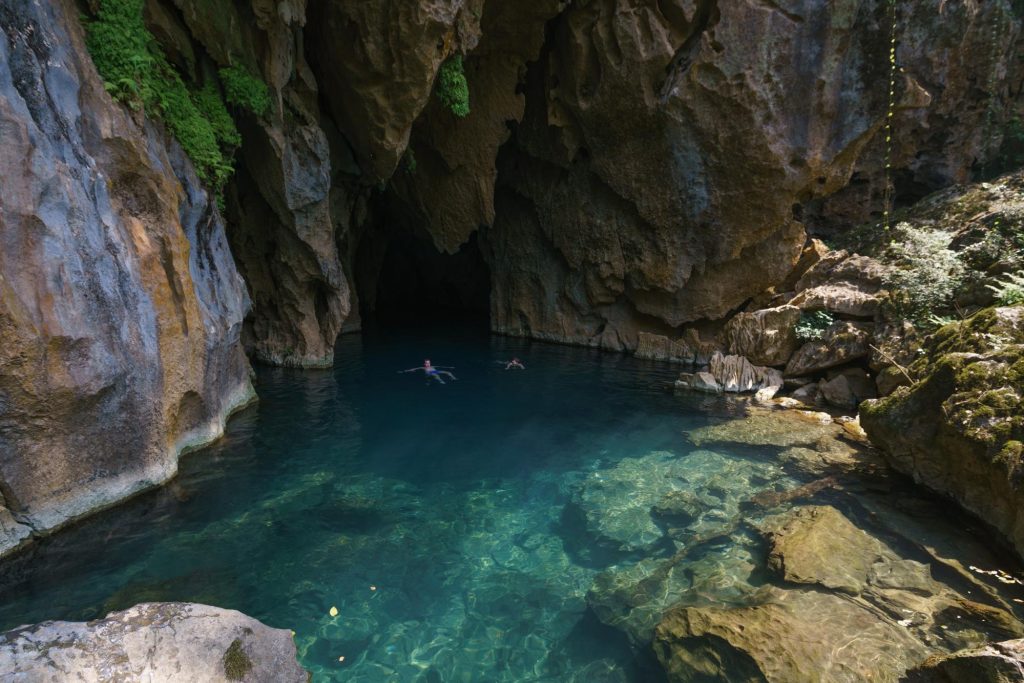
{"x":426,"y":363}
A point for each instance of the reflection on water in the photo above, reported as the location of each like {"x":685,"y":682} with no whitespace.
{"x":456,"y":528}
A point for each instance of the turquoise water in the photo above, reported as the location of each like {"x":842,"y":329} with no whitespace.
{"x":447,"y":524}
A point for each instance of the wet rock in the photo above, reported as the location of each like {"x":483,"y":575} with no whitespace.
{"x":122,"y":309}
{"x":994,"y":663}
{"x":153,"y":641}
{"x":819,"y":545}
{"x":959,"y":429}
{"x":785,"y":637}
{"x":678,"y":507}
{"x":841,"y":343}
{"x":765,"y":337}
{"x":689,"y":349}
{"x":12,"y":533}
{"x":706,"y":382}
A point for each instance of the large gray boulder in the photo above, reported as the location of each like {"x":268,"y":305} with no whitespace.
{"x":155,"y":642}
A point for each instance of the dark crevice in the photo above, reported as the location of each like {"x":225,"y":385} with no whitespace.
{"x":704,"y":19}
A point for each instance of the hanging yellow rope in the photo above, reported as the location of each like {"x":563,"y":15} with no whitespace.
{"x":890,"y":112}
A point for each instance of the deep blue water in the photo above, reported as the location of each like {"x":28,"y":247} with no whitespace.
{"x":450,"y":500}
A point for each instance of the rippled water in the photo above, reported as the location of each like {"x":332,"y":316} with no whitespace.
{"x":465,"y":506}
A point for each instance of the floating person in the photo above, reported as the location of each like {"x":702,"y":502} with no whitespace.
{"x":433,"y":371}
{"x":514,"y":364}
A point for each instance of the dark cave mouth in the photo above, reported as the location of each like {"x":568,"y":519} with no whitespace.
{"x":402,"y":276}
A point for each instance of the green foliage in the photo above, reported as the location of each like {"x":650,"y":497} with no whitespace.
{"x":452,"y":87}
{"x":211,"y":105}
{"x":812,"y":326}
{"x":245,"y":90}
{"x":136,"y":72}
{"x":1010,"y":291}
{"x":928,"y":272}
{"x":236,"y":663}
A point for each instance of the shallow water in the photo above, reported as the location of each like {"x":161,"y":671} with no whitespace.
{"x":464,"y":505}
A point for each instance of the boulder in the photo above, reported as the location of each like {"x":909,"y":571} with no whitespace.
{"x":706,"y":382}
{"x":959,"y":429}
{"x":765,"y":337}
{"x":848,"y":388}
{"x":813,"y":252}
{"x":793,"y":636}
{"x":994,"y":663}
{"x":843,"y":284}
{"x":172,"y":641}
{"x":841,"y":343}
{"x":736,"y":374}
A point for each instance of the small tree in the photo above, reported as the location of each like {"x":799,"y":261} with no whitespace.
{"x":928,"y":272}
{"x":452,"y":86}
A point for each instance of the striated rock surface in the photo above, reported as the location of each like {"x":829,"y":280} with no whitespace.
{"x":120,"y":306}
{"x":959,"y":429}
{"x":765,"y":337}
{"x":171,"y":641}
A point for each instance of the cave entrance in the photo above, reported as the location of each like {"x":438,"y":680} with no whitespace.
{"x":401,"y":276}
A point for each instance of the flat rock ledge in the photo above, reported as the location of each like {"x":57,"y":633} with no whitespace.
{"x":153,"y":642}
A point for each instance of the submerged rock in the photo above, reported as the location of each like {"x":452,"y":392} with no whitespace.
{"x":995,"y":663}
{"x":172,"y":641}
{"x":793,"y":636}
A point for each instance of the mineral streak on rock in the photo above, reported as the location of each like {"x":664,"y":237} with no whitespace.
{"x":120,"y":305}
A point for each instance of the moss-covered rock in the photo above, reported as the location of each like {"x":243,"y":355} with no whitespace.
{"x":959,"y":428}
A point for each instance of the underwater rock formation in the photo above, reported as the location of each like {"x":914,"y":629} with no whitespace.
{"x":170,"y":641}
{"x":120,"y":306}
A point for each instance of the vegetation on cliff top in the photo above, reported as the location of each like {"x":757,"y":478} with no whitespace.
{"x":452,"y":86}
{"x":136,"y":71}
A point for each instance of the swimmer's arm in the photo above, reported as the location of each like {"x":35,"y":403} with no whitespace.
{"x":411,"y":370}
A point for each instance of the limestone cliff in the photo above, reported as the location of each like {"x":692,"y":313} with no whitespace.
{"x":120,"y":306}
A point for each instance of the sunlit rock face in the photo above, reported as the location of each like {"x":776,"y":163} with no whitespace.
{"x":171,"y":641}
{"x":120,"y":305}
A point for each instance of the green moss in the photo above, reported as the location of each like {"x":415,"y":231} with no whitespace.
{"x":452,"y":87}
{"x":245,"y":90}
{"x":812,"y":326}
{"x":136,"y":72}
{"x":236,"y":663}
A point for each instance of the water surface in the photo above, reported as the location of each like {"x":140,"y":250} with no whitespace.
{"x":443,"y":522}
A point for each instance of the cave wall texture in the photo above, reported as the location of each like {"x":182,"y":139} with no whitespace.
{"x":626,"y":166}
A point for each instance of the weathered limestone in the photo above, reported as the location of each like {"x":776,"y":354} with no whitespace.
{"x":959,"y":429}
{"x":171,"y":641}
{"x":120,"y":305}
{"x":842,"y":343}
{"x":765,"y":337}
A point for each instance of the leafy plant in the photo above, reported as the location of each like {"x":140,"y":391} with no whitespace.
{"x":812,"y":326}
{"x":410,"y":161}
{"x":1010,"y":291}
{"x":136,"y":72}
{"x":452,"y":87}
{"x":245,"y":90}
{"x":928,"y":272}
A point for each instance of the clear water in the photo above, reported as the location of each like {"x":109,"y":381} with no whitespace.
{"x":450,"y":500}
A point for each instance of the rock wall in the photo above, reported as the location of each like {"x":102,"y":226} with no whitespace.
{"x":120,"y":306}
{"x":655,"y":161}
